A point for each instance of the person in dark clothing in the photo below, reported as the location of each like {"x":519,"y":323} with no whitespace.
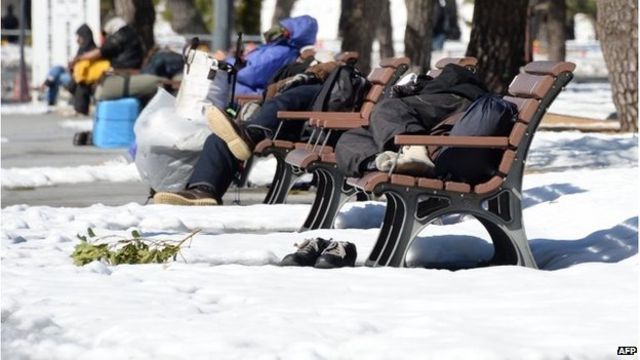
{"x":217,"y":165}
{"x":445,"y":23}
{"x":60,"y":76}
{"x":122,"y":47}
{"x":10,"y":22}
{"x":451,"y":92}
{"x":231,"y":143}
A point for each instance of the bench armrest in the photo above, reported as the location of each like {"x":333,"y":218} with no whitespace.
{"x":243,"y":99}
{"x":500,"y":142}
{"x":339,"y":123}
{"x":306,"y":115}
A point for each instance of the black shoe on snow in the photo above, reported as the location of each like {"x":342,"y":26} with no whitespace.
{"x":337,"y":254}
{"x":308,"y":252}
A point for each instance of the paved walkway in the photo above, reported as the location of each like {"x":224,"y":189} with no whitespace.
{"x":39,"y":140}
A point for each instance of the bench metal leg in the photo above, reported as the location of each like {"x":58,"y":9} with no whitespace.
{"x":409,"y":212}
{"x":282,"y":180}
{"x":331,"y":194}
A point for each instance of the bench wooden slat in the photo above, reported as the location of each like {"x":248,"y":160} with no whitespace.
{"x":526,"y":107}
{"x":262,"y":145}
{"x":457,"y":187}
{"x":530,"y":86}
{"x":380,"y":76}
{"x":369,"y":181}
{"x":549,"y":67}
{"x":404,"y":180}
{"x":431,"y":183}
{"x":283,"y":144}
{"x":301,"y":157}
{"x":517,"y":133}
{"x":374,"y":93}
{"x":507,"y":161}
{"x":394,"y":62}
{"x":457,"y":141}
{"x":465,"y":61}
{"x":343,"y":124}
{"x":329,"y":158}
{"x":488,"y":186}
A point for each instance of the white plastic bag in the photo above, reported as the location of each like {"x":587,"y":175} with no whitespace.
{"x":203,"y":83}
{"x":168,"y":145}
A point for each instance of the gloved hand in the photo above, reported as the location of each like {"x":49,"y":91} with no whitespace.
{"x":274,"y":33}
{"x":412,"y":88}
{"x":297,"y":80}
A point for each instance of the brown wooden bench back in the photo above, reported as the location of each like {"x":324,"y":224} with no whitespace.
{"x":468,"y":62}
{"x":532,"y":91}
{"x":380,"y":78}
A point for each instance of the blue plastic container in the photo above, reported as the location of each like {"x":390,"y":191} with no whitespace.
{"x":113,"y":126}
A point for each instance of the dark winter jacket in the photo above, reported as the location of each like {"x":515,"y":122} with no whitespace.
{"x":86,"y":39}
{"x":124,"y":49}
{"x":265,"y":61}
{"x":451,"y":92}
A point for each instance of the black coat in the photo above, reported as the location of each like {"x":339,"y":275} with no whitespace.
{"x":449,"y":93}
{"x":124,"y":49}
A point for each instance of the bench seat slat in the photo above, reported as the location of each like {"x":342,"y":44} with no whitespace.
{"x":457,"y":187}
{"x":530,"y":86}
{"x":343,"y":123}
{"x":301,"y":157}
{"x":404,"y":180}
{"x":306,"y":115}
{"x":488,"y":186}
{"x":262,"y":145}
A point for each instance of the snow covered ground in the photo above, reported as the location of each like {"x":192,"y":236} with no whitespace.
{"x":228,"y":300}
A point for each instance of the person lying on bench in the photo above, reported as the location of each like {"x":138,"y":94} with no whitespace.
{"x":232,"y":143}
{"x":416,"y":111}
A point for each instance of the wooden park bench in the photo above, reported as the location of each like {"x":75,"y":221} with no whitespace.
{"x":415,"y":202}
{"x":388,"y":73}
{"x":332,"y":190}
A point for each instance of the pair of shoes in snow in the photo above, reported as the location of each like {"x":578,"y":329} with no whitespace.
{"x":323,"y":254}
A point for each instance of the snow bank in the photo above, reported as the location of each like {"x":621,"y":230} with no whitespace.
{"x":116,"y":170}
{"x":228,"y":300}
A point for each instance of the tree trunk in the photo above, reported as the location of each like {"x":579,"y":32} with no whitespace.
{"x":360,"y":22}
{"x":185,"y":17}
{"x":141,"y":15}
{"x":417,"y":34}
{"x":385,"y":32}
{"x":248,"y":16}
{"x":556,"y":30}
{"x":282,"y":11}
{"x":618,"y":33}
{"x":498,"y":40}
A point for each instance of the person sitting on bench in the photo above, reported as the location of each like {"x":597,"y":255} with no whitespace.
{"x":231,"y":143}
{"x":414,"y":112}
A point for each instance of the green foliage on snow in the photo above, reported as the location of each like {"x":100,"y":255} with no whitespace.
{"x":115,"y":250}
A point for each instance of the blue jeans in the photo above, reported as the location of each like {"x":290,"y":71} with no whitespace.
{"x":217,"y":165}
{"x":57,"y":76}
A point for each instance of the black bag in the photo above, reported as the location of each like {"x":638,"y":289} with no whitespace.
{"x":343,"y":90}
{"x":165,"y":64}
{"x":292,"y":69}
{"x":489,"y":115}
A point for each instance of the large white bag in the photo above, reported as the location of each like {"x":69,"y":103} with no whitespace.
{"x":205,"y":82}
{"x":168,"y":145}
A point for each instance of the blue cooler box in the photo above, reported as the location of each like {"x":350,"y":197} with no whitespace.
{"x":113,"y":126}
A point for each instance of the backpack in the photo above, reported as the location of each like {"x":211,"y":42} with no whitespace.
{"x":489,"y":115}
{"x":165,"y":64}
{"x":344,"y":90}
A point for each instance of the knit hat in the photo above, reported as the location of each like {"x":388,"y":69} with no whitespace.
{"x":113,"y":25}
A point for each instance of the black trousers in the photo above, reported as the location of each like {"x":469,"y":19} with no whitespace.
{"x":409,"y":115}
